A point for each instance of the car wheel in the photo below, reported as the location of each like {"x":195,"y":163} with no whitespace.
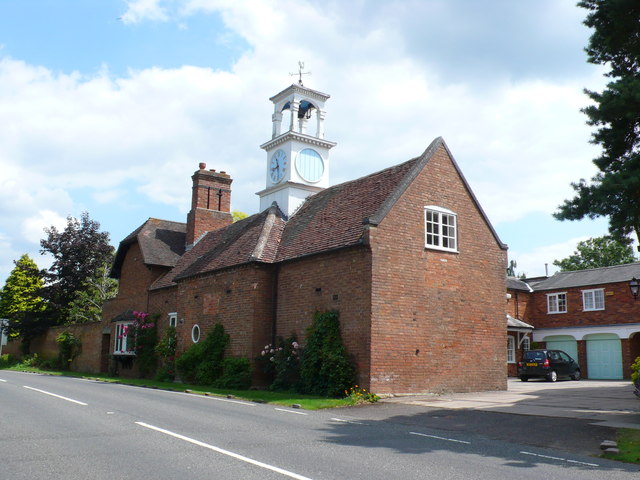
{"x":576,"y":375}
{"x":553,"y":376}
{"x":524,"y":379}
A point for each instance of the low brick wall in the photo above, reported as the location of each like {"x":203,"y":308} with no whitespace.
{"x":90,"y":335}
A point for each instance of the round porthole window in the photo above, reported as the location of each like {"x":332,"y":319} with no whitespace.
{"x":195,"y":334}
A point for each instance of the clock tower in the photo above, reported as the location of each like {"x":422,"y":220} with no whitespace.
{"x":298,"y":159}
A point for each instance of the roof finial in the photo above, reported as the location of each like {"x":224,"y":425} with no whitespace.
{"x":300,"y":73}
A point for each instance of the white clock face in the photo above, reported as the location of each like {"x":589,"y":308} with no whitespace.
{"x":309,"y":165}
{"x":277,"y":166}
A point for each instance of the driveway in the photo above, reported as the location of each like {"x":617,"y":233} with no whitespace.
{"x":605,"y":403}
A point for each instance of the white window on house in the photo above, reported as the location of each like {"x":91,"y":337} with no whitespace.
{"x":557,"y":302}
{"x":526,"y":344}
{"x":125,"y":340}
{"x":173,"y":319}
{"x":511,"y":349}
{"x":440,"y":229}
{"x":593,"y":299}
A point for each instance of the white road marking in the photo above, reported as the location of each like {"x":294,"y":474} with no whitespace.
{"x":440,"y":438}
{"x":225,"y":452}
{"x":3,"y":381}
{"x":55,"y":395}
{"x":211,"y":397}
{"x":239,"y":402}
{"x":560,"y":459}
{"x":347,"y":421}
{"x":291,"y":411}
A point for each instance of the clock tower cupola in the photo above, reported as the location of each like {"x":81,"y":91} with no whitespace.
{"x":297,"y":154}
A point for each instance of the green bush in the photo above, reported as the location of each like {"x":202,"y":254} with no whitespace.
{"x":281,"y":362}
{"x":325,"y":367}
{"x":166,"y":350}
{"x":69,"y":346}
{"x":635,"y":371}
{"x":7,"y":360}
{"x":145,"y":331}
{"x":202,"y":362}
{"x":236,"y":374}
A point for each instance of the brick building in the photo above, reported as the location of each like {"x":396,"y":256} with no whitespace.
{"x":590,"y":314}
{"x":392,"y":251}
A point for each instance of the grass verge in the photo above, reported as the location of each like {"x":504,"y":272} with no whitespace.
{"x":288,"y":399}
{"x":629,"y":445}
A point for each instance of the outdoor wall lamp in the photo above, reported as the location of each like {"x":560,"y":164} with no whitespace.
{"x":634,"y":286}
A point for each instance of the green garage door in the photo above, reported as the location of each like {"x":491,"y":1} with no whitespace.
{"x":565,"y":343}
{"x":604,"y":356}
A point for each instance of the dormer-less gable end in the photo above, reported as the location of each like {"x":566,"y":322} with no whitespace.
{"x":419,"y":164}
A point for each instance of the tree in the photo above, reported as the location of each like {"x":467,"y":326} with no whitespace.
{"x":79,"y":251}
{"x":614,"y":191}
{"x":598,"y":252}
{"x":238,"y":215}
{"x":87,"y":303}
{"x":20,"y":301}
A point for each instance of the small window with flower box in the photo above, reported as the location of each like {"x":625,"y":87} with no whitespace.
{"x":125,"y":343}
{"x":440,"y":229}
{"x":593,"y":299}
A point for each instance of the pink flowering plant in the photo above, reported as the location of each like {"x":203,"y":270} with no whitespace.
{"x":145,"y":332}
{"x":281,"y":362}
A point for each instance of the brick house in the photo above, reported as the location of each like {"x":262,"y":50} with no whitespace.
{"x":590,"y":314}
{"x":391,"y":251}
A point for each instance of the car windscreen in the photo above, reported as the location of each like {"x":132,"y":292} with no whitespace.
{"x":534,"y":356}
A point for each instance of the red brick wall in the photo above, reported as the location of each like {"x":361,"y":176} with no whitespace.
{"x":438,"y":318}
{"x":90,"y":335}
{"x":133,"y":285}
{"x":340,"y":281}
{"x":240,"y":299}
{"x":619,"y":305}
{"x":518,"y":304}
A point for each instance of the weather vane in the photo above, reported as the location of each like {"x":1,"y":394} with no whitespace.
{"x":300,"y":72}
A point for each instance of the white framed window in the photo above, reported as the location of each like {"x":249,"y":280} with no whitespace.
{"x":557,"y":302}
{"x":125,"y":343}
{"x":593,"y":299}
{"x":511,"y":349}
{"x":440,"y":229}
{"x":526,"y":344}
{"x":173,"y":319}
{"x":195,"y":333}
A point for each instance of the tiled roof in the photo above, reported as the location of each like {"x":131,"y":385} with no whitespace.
{"x":514,"y":283}
{"x":593,"y":276}
{"x":253,"y":239}
{"x":334,"y":218}
{"x":161,"y":243}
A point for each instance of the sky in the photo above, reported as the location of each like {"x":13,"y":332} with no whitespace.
{"x":108,"y":107}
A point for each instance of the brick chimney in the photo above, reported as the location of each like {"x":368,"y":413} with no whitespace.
{"x":210,"y":203}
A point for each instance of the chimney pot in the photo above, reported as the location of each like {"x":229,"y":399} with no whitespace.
{"x":202,"y":165}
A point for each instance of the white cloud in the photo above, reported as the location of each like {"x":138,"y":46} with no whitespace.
{"x":132,"y":142}
{"x":141,"y":10}
{"x":33,"y":227}
{"x":539,"y":261}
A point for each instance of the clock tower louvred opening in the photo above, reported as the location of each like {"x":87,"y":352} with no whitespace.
{"x":297,"y":154}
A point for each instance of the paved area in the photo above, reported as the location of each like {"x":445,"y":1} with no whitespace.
{"x":603,"y":403}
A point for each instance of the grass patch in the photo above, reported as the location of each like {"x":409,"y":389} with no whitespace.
{"x":629,"y":446}
{"x":308,"y":402}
